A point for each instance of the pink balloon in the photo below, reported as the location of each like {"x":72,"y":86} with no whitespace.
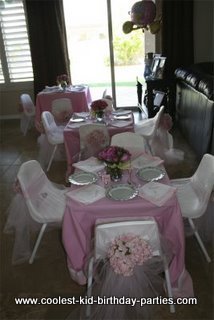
{"x":143,"y":12}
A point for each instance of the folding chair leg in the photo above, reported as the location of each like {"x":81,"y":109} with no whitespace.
{"x":39,"y":238}
{"x":200,"y":242}
{"x":51,"y":158}
{"x":168,"y":285}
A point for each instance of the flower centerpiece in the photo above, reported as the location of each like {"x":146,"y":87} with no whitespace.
{"x":127,"y":251}
{"x":63,"y":80}
{"x":98,"y":108}
{"x":116,"y":159}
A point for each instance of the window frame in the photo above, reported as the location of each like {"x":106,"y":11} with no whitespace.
{"x":9,"y":82}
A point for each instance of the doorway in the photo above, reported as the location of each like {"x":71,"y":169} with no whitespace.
{"x":89,"y":25}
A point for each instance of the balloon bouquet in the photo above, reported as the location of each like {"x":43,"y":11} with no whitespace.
{"x":143,"y":15}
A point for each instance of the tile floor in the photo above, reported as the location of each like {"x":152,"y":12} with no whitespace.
{"x":48,"y":275}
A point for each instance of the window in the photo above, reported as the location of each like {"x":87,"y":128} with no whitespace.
{"x":101,"y":55}
{"x":15,"y":64}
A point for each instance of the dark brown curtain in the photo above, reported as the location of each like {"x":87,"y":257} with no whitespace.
{"x":177,"y":34}
{"x":48,"y":41}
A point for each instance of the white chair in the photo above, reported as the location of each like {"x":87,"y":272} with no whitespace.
{"x":109,"y":103}
{"x":104,"y":93}
{"x":194,"y":193}
{"x":27,"y":119}
{"x":130,"y":141}
{"x":45,"y":201}
{"x":93,"y":138}
{"x":62,"y":110}
{"x":108,"y":99}
{"x":106,"y":232}
{"x":148,"y":129}
{"x":53,"y":133}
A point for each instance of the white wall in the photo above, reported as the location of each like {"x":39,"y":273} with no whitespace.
{"x":203,"y":30}
{"x":10,"y":98}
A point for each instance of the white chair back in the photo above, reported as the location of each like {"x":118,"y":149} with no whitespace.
{"x":109,"y":103}
{"x":44,"y":201}
{"x":62,"y":109}
{"x":54,"y":135}
{"x":130,"y":141}
{"x":105,"y":233}
{"x":48,"y":121}
{"x":194,"y":194}
{"x":93,"y":138}
{"x":104,"y":93}
{"x":148,"y":128}
{"x":28,"y":172}
{"x":28,"y":115}
{"x":27,"y":104}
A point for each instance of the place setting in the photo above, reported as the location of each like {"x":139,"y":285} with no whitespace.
{"x":76,"y":121}
{"x":112,"y":175}
{"x":121,"y":118}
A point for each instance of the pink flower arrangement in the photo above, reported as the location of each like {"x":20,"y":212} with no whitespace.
{"x":127,"y":251}
{"x":99,"y":105}
{"x":62,"y":79}
{"x":115,"y":156}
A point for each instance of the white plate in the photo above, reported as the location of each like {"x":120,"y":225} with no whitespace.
{"x":150,"y":174}
{"x":122,"y":192}
{"x":83,"y":178}
{"x":77,"y":120}
{"x":122,"y":117}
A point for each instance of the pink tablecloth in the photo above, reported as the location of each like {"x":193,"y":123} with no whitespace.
{"x":79,"y":99}
{"x":72,"y":141}
{"x":78,"y":226}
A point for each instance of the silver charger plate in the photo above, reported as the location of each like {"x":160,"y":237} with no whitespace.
{"x":83,"y":178}
{"x":121,"y":192}
{"x":150,"y":174}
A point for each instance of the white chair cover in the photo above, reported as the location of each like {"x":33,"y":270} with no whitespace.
{"x":38,"y":201}
{"x":109,"y":108}
{"x":108,"y":99}
{"x":46,"y":150}
{"x":130,"y":141}
{"x":145,"y":282}
{"x":93,"y":138}
{"x":52,"y":137}
{"x":28,"y":115}
{"x":160,"y":141}
{"x":62,"y":110}
{"x":54,"y":133}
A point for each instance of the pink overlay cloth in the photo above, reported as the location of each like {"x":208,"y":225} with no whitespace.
{"x":79,"y":221}
{"x":79,"y":99}
{"x":72,"y":140}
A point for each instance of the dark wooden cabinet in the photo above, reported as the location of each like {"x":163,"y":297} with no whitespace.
{"x":156,"y":85}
